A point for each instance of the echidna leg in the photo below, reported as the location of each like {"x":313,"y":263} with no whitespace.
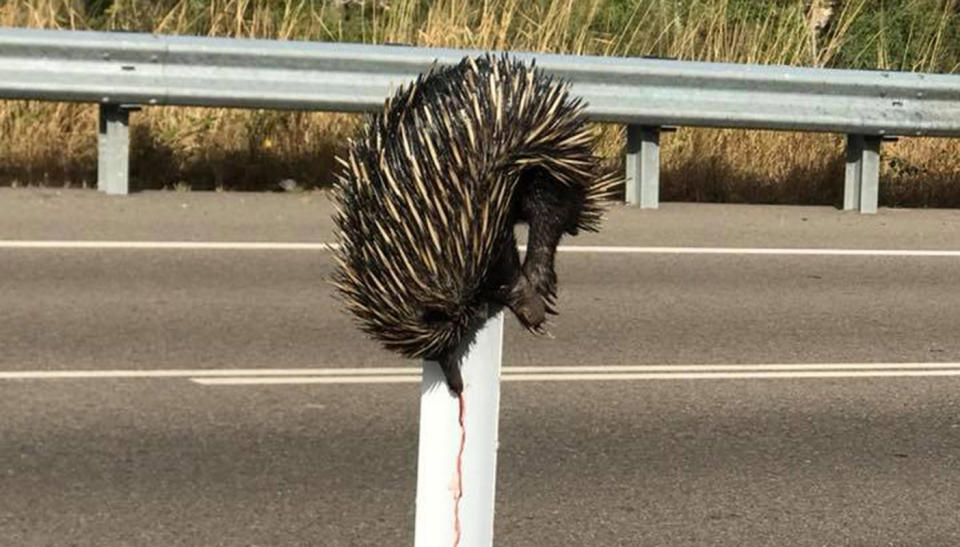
{"x":508,"y":286}
{"x":550,"y":209}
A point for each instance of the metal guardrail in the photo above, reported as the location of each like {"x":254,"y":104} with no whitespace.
{"x":123,"y":71}
{"x":119,"y":69}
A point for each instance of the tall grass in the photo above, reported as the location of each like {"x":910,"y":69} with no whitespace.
{"x":238,"y":149}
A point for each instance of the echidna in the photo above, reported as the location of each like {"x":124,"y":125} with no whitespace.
{"x":430,"y":192}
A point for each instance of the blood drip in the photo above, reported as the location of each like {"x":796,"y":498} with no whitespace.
{"x":459,"y":493}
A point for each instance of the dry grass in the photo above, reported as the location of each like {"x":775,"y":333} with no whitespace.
{"x":54,"y":144}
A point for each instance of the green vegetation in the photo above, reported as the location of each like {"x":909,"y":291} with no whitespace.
{"x":54,"y":144}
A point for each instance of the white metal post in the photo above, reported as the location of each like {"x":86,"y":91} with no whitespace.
{"x":643,"y":166}
{"x":457,"y":466}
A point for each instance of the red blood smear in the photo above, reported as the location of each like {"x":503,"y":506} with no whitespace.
{"x":459,"y":494}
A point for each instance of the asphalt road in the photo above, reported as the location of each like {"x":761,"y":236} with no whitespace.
{"x":168,"y":461}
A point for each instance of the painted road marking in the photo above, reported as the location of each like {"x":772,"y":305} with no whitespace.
{"x":758,"y":251}
{"x":733,"y":375}
{"x":187,"y":373}
{"x":169,"y":245}
{"x":329,"y":375}
{"x":629,"y":373}
{"x":598,"y":249}
{"x":287,"y":380}
{"x":580,"y":377}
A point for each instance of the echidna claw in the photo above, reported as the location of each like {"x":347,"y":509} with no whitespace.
{"x":543,"y":330}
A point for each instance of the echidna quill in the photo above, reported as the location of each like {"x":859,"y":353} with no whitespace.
{"x":431,"y":189}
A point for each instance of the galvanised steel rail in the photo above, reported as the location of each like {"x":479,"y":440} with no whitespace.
{"x":124,"y":71}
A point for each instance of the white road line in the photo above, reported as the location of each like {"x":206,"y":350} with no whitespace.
{"x":597,"y":249}
{"x":412,"y":372}
{"x":188,"y":373}
{"x":796,"y":374}
{"x":555,"y":377}
{"x":759,"y":251}
{"x":285,"y":380}
{"x":169,"y":245}
{"x":737,"y":367}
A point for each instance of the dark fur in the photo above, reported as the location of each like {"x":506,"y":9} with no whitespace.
{"x":432,"y":189}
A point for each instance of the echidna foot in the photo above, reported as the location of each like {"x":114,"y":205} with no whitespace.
{"x":543,"y":279}
{"x":527,"y":304}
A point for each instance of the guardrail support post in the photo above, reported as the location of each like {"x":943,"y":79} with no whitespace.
{"x":457,"y":464}
{"x":870,"y":176}
{"x":643,"y":166}
{"x":861,"y":187}
{"x":851,"y":183}
{"x":113,"y":149}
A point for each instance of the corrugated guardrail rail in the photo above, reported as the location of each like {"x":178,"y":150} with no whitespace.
{"x":123,"y":71}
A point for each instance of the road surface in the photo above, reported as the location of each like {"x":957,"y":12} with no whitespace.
{"x":775,"y":398}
